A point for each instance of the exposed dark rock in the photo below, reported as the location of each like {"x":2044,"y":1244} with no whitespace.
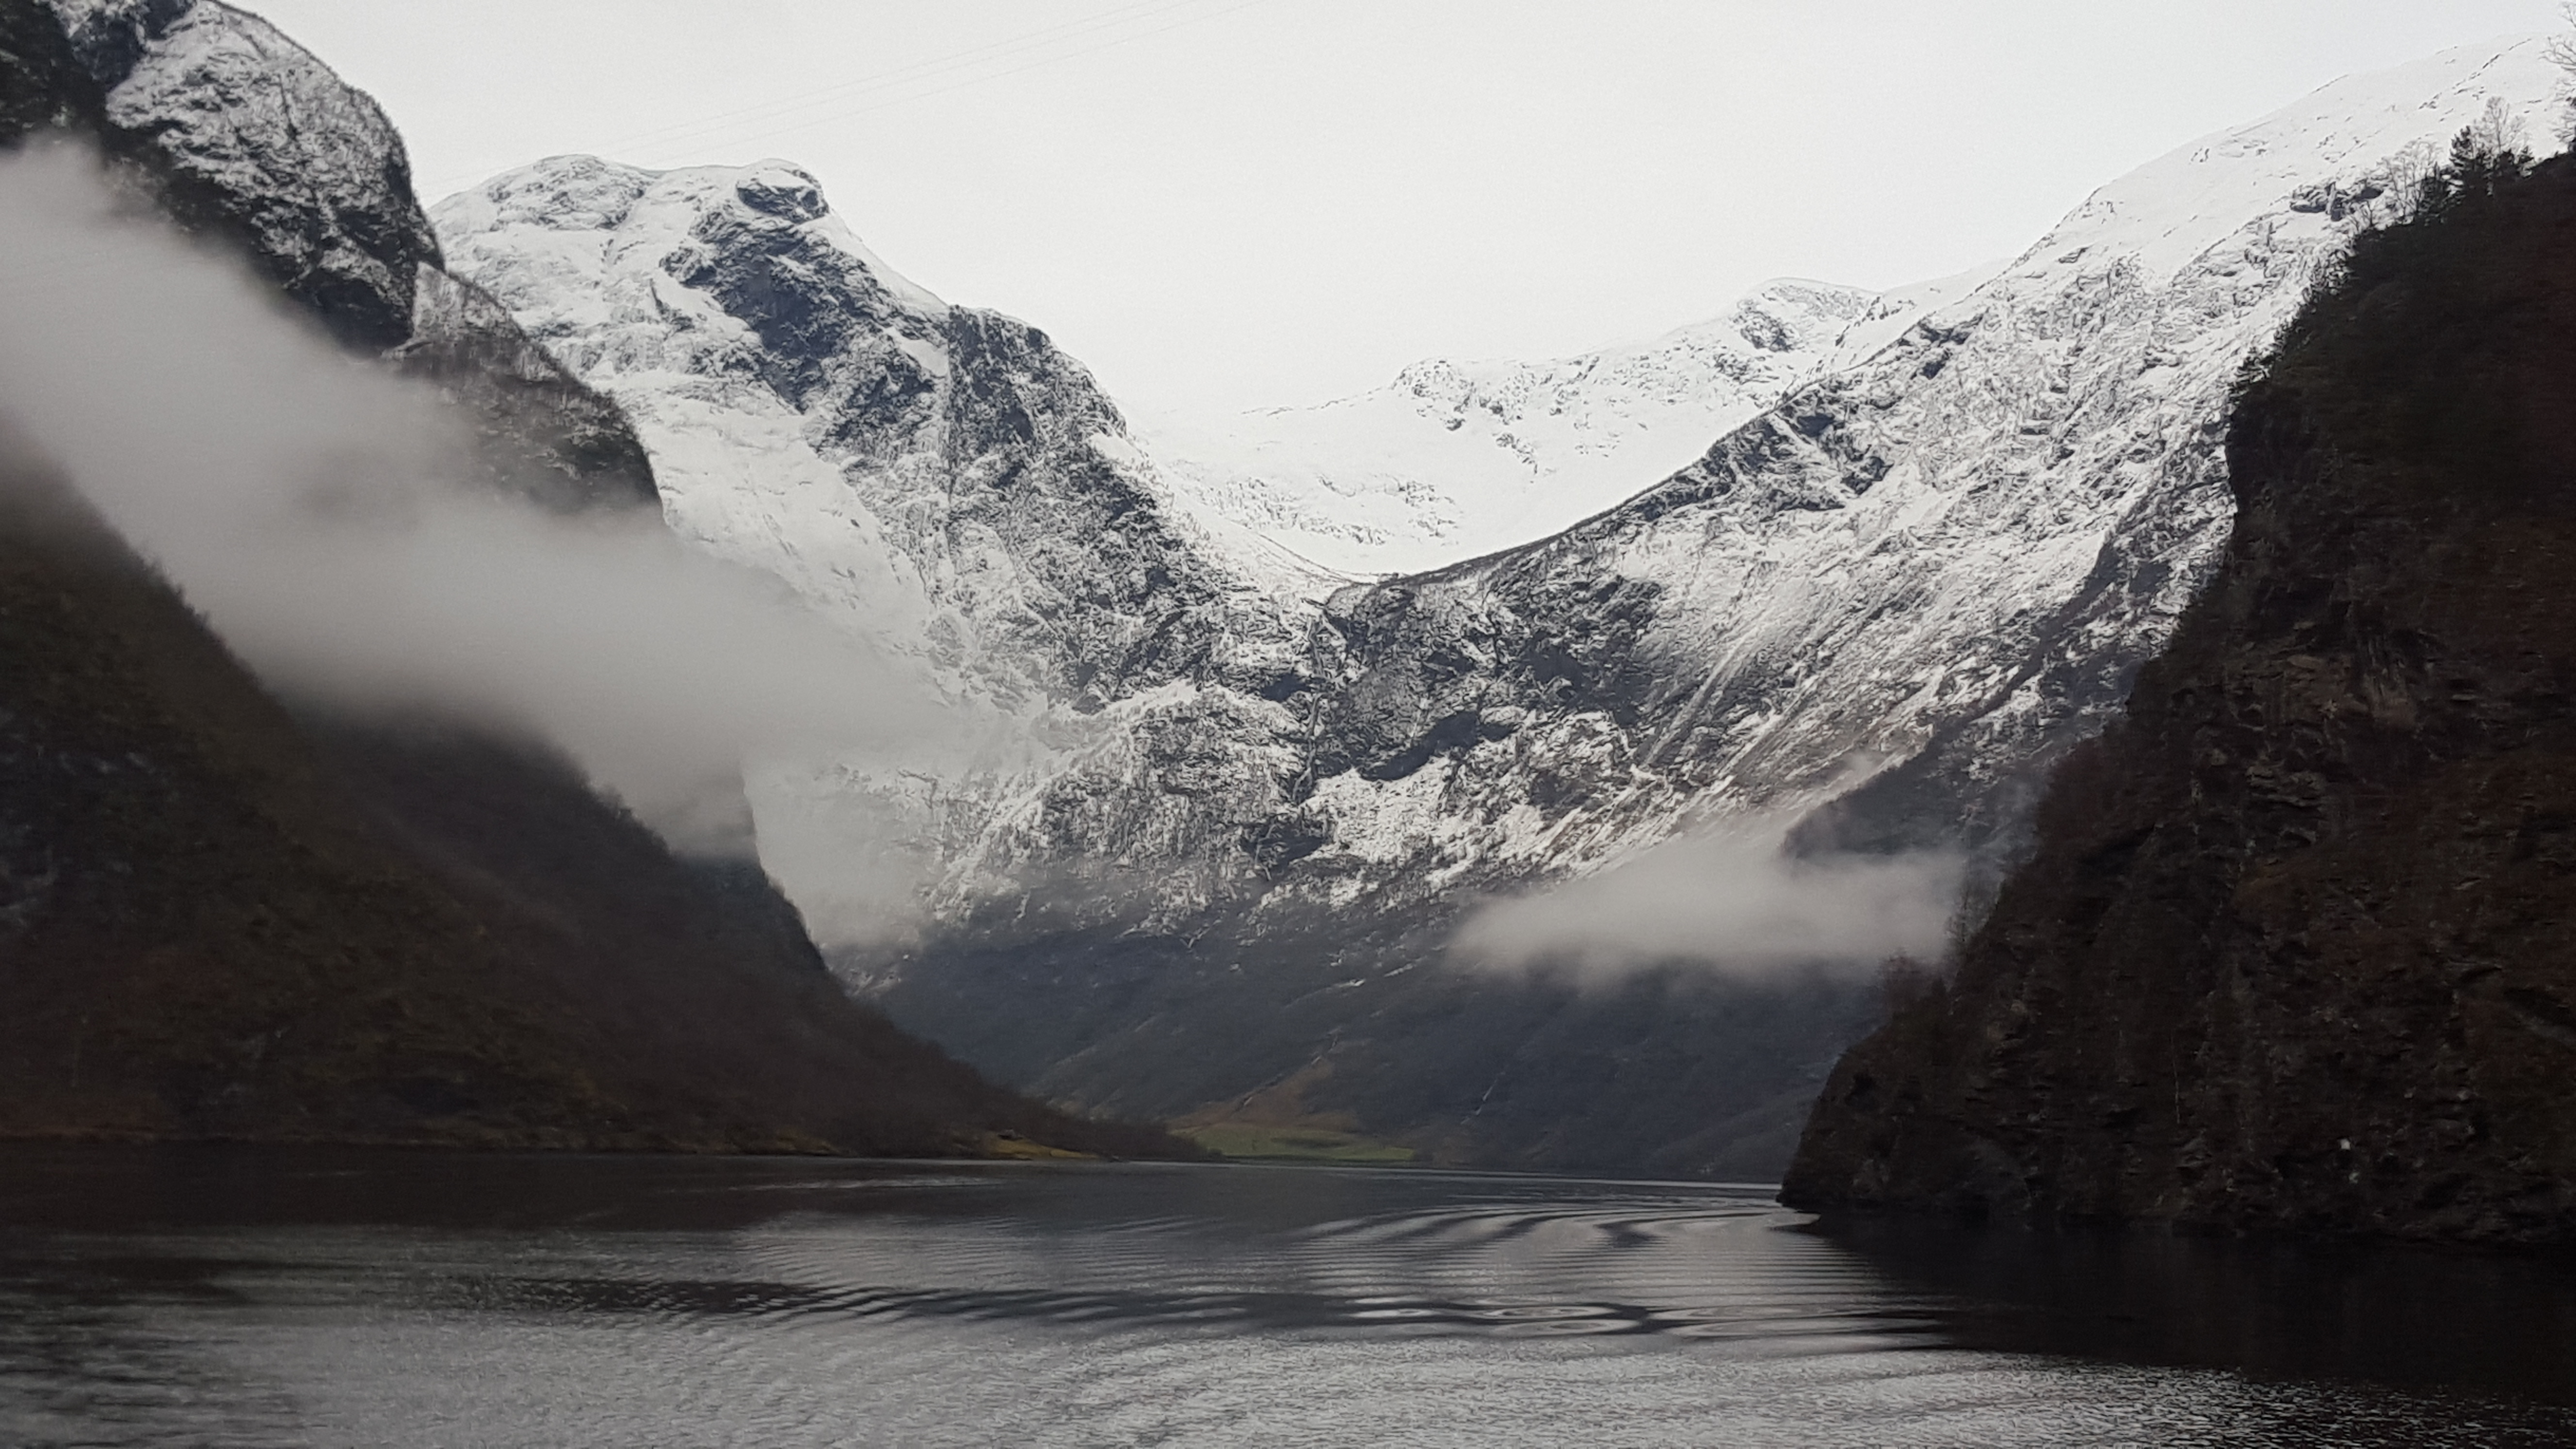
{"x":257,"y":140}
{"x":2294,"y":951}
{"x":541,"y":434}
{"x":236,"y":133}
{"x":43,"y":83}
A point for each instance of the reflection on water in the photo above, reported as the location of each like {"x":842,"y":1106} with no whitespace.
{"x":232,"y":1298}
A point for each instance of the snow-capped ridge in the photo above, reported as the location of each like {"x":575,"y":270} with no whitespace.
{"x":1453,"y":460}
{"x":580,"y":193}
{"x":2357,"y":138}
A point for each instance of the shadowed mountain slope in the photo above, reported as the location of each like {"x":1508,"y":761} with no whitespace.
{"x":2294,"y":950}
{"x":210,"y":927}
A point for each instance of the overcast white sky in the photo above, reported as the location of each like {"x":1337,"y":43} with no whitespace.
{"x":1253,"y":202}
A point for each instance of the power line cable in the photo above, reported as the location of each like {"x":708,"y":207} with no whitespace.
{"x":1017,"y":70}
{"x":918,"y":70}
{"x":861,"y":88}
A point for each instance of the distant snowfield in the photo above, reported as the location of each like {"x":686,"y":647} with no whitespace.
{"x":1453,"y":460}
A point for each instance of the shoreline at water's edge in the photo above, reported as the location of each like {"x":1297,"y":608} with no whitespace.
{"x":1842,"y":1223}
{"x":554,"y":1142}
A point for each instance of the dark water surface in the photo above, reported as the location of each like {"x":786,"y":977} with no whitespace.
{"x":204,"y":1297}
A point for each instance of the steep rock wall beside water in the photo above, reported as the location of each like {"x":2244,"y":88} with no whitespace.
{"x":2293,"y":953}
{"x":1231,"y":868}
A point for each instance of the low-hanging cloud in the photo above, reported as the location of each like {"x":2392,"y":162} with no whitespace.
{"x":1736,"y":902}
{"x":310,"y":504}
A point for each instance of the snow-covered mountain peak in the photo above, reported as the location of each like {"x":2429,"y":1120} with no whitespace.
{"x":2350,"y":147}
{"x":1455,"y":459}
{"x":938,"y":479}
{"x":941,"y":479}
{"x":559,"y":193}
{"x":1793,"y":315}
{"x":560,"y":217}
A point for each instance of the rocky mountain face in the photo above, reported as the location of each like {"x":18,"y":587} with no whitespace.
{"x":940,"y":478}
{"x":237,"y":132}
{"x":1456,"y":459}
{"x":259,"y":138}
{"x":947,"y":484}
{"x":2291,"y":954}
{"x":1247,"y":803}
{"x":220,"y":918}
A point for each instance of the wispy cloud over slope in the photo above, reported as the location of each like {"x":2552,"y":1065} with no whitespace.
{"x":310,"y":504}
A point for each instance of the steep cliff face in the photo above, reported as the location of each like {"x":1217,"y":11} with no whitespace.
{"x":540,"y":433}
{"x":1231,"y":861}
{"x":260,"y":139}
{"x":940,"y":478}
{"x":2292,"y":954}
{"x":238,"y":133}
{"x":946,"y":483}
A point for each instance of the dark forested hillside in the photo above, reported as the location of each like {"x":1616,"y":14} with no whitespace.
{"x":211,"y":927}
{"x":2295,"y":952}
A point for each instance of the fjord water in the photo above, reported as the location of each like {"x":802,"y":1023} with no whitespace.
{"x":215,"y":1297}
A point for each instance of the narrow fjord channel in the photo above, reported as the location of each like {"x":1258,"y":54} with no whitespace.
{"x":197,"y":1297}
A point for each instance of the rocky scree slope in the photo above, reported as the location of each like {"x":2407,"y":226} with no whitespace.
{"x":2293,"y":952}
{"x":1942,"y":562}
{"x":223,"y":920}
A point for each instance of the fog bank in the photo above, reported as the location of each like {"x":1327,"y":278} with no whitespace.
{"x":1735,"y":903}
{"x":310,"y":504}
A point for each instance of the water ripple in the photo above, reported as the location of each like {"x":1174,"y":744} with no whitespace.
{"x":786,"y":1306}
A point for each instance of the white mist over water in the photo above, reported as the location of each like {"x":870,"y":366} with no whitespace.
{"x":1735,"y":902}
{"x":310,"y":505}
